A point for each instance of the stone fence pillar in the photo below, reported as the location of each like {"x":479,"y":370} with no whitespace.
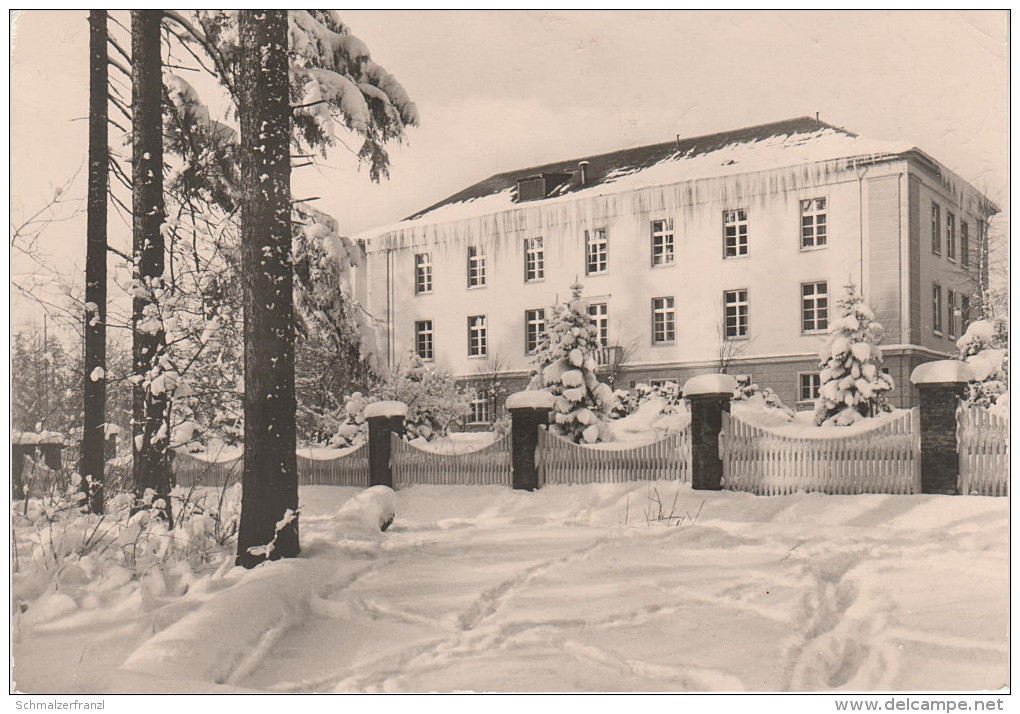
{"x":709,"y":395}
{"x":941,"y":385}
{"x":384,"y":418}
{"x":528,"y":410}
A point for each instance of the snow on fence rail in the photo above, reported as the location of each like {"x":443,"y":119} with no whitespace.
{"x":488,"y":466}
{"x":983,"y":445}
{"x":351,"y":469}
{"x":562,"y":461}
{"x":886,"y":459}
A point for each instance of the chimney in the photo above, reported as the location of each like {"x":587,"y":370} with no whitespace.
{"x":583,"y":166}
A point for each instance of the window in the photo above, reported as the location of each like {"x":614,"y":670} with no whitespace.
{"x":596,"y":252}
{"x":936,"y":308}
{"x":936,"y":229}
{"x":809,"y":385}
{"x":422,"y":273}
{"x":477,"y":336}
{"x":951,"y":314}
{"x":964,"y":243}
{"x":734,"y":233}
{"x":950,"y":236}
{"x":663,"y":320}
{"x":481,"y":409}
{"x":813,"y":224}
{"x":662,"y":242}
{"x":656,"y":383}
{"x":735,"y":308}
{"x":423,"y":339}
{"x":476,"y":267}
{"x":964,"y":312}
{"x":534,"y":327}
{"x":599,"y":314}
{"x":534,"y":260}
{"x":814,"y":307}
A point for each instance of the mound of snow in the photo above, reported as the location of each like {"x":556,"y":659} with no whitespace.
{"x":371,"y":510}
{"x":755,"y":411}
{"x":386,"y":409}
{"x":709,"y":384}
{"x":530,"y":399}
{"x":940,"y":371}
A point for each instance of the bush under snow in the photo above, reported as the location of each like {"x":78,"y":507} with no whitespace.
{"x":985,"y":347}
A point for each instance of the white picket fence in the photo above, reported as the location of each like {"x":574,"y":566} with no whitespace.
{"x":190,"y":471}
{"x":983,"y":445}
{"x":488,"y":466}
{"x":562,"y":461}
{"x":351,"y":469}
{"x":886,"y":459}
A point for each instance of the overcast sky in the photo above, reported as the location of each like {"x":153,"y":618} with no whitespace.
{"x":504,"y":90}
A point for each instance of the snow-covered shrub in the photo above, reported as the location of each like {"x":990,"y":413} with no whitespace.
{"x":501,"y":425}
{"x":434,"y":404}
{"x":853,"y":385}
{"x":53,"y":531}
{"x":985,"y":347}
{"x":746,"y":389}
{"x":670,"y":392}
{"x":566,"y":360}
{"x":67,"y":560}
{"x":626,"y":403}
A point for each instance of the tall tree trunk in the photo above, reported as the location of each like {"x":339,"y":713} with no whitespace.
{"x":269,"y":527}
{"x":150,"y":425}
{"x":93,"y":435}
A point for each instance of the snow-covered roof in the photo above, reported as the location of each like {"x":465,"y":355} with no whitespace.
{"x":789,"y":143}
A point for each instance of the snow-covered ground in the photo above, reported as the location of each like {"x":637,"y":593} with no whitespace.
{"x":636,"y":587}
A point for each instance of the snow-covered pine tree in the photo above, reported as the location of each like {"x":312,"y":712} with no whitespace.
{"x":853,"y":385}
{"x":566,"y":368}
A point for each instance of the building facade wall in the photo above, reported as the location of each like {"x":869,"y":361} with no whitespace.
{"x":772,"y":273}
{"x":940,"y":269}
{"x":878,"y":238}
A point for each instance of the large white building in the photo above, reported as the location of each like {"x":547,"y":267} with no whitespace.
{"x":726,"y":251}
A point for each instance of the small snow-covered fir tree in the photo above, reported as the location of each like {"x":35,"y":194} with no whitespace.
{"x":566,"y":368}
{"x":853,"y":385}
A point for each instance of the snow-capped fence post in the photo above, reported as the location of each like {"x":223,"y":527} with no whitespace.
{"x":941,"y":385}
{"x":384,"y":418}
{"x":528,"y":410}
{"x":709,"y":395}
